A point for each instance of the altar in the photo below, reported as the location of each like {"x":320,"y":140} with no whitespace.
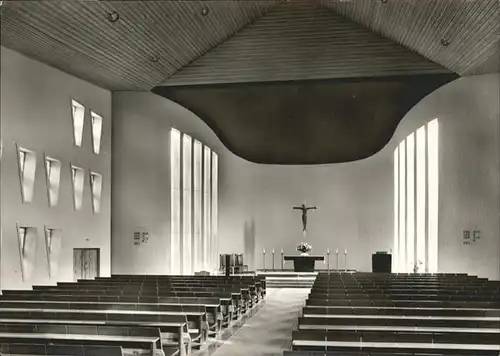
{"x":303,"y":263}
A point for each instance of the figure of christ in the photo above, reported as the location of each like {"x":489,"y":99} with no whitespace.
{"x":304,"y":214}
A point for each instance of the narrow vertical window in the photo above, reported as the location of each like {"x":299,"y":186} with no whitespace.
{"x":187,"y":176}
{"x":410,"y":200}
{"x":433,"y":184}
{"x":96,"y":188}
{"x":395,"y":249}
{"x":78,"y":178}
{"x":96,"y":131}
{"x":206,"y":206}
{"x":215,"y":202}
{"x":197,"y":208}
{"x":402,"y":208}
{"x":175,"y":201}
{"x":53,"y":176}
{"x":27,"y":169}
{"x":78,"y":114}
{"x":421,"y":200}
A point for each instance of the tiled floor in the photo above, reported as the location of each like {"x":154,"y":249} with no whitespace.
{"x":269,"y":331}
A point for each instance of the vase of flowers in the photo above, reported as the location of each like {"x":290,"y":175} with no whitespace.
{"x":304,"y":248}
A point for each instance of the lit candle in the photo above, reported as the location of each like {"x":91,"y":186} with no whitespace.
{"x":281,"y":251}
{"x":273,"y":251}
{"x":327,"y":251}
{"x":337,"y":251}
{"x":264,"y":251}
{"x":345,"y":252}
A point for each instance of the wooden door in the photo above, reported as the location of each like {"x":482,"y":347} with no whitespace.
{"x":85,"y":263}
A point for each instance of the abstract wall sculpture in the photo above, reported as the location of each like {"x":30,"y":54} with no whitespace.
{"x":53,"y":243}
{"x":27,"y":238}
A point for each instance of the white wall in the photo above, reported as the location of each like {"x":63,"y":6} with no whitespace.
{"x":36,"y":114}
{"x":141,"y":181}
{"x":355,"y":200}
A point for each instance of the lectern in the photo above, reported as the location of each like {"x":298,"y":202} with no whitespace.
{"x":381,"y":262}
{"x":304,"y":263}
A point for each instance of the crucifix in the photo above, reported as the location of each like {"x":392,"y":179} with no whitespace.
{"x":304,"y":210}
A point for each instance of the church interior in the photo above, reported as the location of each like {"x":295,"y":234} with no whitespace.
{"x":250,"y":177}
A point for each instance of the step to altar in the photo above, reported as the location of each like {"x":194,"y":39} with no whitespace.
{"x":286,"y":279}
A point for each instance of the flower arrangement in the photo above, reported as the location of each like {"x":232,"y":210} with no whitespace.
{"x":417,"y":265}
{"x":304,"y":247}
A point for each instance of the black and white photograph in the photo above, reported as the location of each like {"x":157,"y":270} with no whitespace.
{"x":250,"y":178}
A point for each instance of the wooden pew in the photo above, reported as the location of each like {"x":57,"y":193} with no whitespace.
{"x":164,"y":320}
{"x":8,"y":349}
{"x":318,"y":340}
{"x":140,"y":339}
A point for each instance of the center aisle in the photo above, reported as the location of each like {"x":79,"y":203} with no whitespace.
{"x":269,"y":331}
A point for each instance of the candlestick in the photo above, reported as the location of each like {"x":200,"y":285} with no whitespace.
{"x":345,"y":260}
{"x":264,"y":260}
{"x":337,"y":258}
{"x":273,"y":259}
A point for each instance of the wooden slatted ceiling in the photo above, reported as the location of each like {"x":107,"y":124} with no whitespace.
{"x":76,"y":37}
{"x":298,"y":40}
{"x":472,"y":28}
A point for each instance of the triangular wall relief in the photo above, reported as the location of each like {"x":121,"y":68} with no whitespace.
{"x":53,"y":243}
{"x":27,"y":238}
{"x":27,"y":169}
{"x":77,"y":177}
{"x":96,"y":187}
{"x":96,"y":131}
{"x":53,"y":175}
{"x":77,"y":116}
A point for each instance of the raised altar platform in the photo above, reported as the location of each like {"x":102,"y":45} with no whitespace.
{"x":288,"y":279}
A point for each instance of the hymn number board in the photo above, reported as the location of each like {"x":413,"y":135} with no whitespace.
{"x":140,"y":237}
{"x":470,"y":237}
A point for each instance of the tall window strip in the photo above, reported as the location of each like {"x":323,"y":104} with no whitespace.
{"x":187,"y":176}
{"x":215,"y":209}
{"x":433,"y":184}
{"x":206,"y":207}
{"x":402,"y":208}
{"x":175,"y":201}
{"x":421,"y":198}
{"x":416,"y":198}
{"x":197,"y":207}
{"x":395,"y":249}
{"x":410,"y":200}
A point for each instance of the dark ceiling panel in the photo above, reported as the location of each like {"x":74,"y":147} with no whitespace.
{"x":299,"y":40}
{"x":306,"y":122}
{"x":471,"y":27}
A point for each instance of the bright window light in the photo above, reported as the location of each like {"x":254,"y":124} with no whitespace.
{"x":395,"y":249}
{"x":410,"y":200}
{"x":206,"y":207}
{"x":198,"y":208}
{"x":402,"y":208}
{"x":433,"y":194}
{"x":421,"y":176}
{"x":187,"y":175}
{"x":175,"y":201}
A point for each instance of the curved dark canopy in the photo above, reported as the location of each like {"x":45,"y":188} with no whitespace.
{"x":306,"y":122}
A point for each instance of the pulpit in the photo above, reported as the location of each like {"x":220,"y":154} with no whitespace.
{"x":304,"y":263}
